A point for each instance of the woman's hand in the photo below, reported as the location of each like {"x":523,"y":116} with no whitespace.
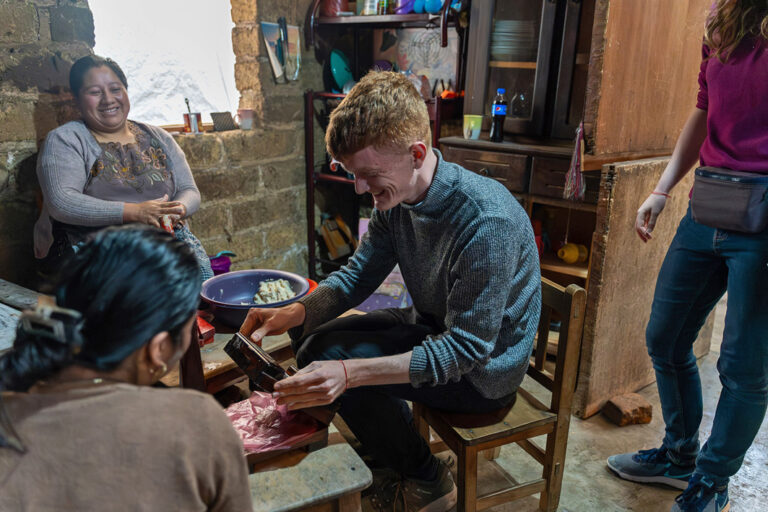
{"x":262,"y":322}
{"x":149,"y":212}
{"x":647,"y":214}
{"x":320,"y":383}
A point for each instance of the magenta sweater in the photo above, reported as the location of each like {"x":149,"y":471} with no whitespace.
{"x":735,"y":96}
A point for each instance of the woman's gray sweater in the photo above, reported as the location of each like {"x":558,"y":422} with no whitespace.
{"x":469,"y":260}
{"x":63,"y":166}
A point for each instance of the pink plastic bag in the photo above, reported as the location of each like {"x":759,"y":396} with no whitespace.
{"x":265,"y":426}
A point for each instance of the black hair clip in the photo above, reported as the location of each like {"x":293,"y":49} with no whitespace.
{"x":54,"y":323}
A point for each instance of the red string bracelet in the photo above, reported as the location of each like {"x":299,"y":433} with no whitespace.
{"x":346,"y":378}
{"x":656,"y":192}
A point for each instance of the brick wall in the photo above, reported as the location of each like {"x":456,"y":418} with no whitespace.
{"x":39,"y":39}
{"x":252,"y":183}
{"x":252,"y":187}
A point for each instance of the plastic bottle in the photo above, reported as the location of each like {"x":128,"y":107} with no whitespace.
{"x":499,"y":112}
{"x":385,"y":7}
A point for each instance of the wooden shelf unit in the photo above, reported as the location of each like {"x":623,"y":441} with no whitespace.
{"x":441,"y":20}
{"x":552,"y":263}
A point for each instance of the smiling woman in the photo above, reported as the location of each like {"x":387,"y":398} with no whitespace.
{"x":106,"y":170}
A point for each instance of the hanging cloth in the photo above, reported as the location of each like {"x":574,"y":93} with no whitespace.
{"x":575,"y":186}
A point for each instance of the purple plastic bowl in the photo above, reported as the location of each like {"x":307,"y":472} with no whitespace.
{"x":226,"y":293}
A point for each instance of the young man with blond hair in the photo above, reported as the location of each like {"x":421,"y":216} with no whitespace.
{"x":466,"y":251}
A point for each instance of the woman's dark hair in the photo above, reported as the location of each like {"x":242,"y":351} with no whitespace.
{"x":85,"y":64}
{"x":126,"y":285}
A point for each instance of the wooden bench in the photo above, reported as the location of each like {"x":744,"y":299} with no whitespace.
{"x":326,"y":480}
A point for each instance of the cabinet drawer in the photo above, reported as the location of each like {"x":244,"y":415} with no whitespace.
{"x":548,"y":179}
{"x":509,"y":169}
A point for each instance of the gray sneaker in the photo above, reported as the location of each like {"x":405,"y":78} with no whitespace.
{"x":410,"y":495}
{"x":651,"y":466}
{"x":702,"y":496}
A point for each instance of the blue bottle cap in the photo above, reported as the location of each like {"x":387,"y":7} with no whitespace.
{"x":500,"y":91}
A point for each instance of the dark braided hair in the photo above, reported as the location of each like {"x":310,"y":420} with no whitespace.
{"x":123,"y":287}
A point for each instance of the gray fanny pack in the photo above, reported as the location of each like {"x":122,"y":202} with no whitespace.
{"x":730,"y":200}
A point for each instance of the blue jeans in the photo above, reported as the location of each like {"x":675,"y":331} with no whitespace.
{"x":378,"y":415}
{"x":702,"y":263}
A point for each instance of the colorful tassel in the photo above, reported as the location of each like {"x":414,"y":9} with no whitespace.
{"x":574,"y":181}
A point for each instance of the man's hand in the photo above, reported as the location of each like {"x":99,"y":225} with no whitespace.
{"x":319,"y":383}
{"x":262,"y":322}
{"x":647,"y":214}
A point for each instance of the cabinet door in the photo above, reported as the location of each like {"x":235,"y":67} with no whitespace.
{"x":510,"y":48}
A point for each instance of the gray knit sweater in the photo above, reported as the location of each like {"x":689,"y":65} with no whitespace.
{"x":469,"y":260}
{"x":63,"y":165}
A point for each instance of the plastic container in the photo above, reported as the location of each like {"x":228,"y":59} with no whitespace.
{"x":433,"y":6}
{"x":221,"y":263}
{"x":367,"y":7}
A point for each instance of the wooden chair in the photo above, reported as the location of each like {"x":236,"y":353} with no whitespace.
{"x":527,"y":418}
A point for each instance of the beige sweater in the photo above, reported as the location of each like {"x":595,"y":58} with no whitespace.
{"x":122,"y":447}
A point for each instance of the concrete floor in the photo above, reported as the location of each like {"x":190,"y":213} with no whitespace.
{"x":589,"y":486}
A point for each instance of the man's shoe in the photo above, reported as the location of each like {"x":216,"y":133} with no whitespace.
{"x":410,"y":495}
{"x":651,"y":466}
{"x":702,"y":496}
{"x":438,"y":495}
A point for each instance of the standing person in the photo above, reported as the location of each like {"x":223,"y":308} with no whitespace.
{"x":80,"y":426}
{"x":729,"y":130}
{"x":467,"y":253}
{"x":107,"y":170}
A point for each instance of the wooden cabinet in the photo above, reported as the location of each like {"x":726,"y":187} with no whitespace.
{"x":530,"y":48}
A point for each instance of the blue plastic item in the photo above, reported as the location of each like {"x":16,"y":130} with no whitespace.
{"x":433,"y":6}
{"x":230,"y":295}
{"x":340,"y":69}
{"x":418,"y":6}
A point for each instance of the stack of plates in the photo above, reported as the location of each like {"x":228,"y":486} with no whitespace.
{"x":514,"y":40}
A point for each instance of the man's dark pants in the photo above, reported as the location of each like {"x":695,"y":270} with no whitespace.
{"x":378,"y":415}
